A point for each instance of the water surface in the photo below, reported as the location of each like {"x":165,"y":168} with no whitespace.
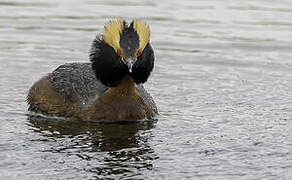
{"x":222,"y":82}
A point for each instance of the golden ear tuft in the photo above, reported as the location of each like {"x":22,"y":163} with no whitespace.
{"x":143,"y":32}
{"x":112,"y":31}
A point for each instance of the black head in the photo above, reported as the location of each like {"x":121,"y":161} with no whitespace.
{"x":122,"y":50}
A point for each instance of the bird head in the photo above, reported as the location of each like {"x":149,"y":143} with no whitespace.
{"x":127,"y":41}
{"x":122,"y":49}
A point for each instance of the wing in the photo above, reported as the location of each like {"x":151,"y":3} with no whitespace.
{"x":77,"y":82}
{"x":146,"y":97}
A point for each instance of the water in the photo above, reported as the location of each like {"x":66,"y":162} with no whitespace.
{"x":222,"y":82}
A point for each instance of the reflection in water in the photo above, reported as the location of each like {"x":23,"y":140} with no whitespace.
{"x":108,"y":148}
{"x":222,"y":81}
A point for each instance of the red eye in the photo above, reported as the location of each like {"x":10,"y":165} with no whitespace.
{"x":138,"y":53}
{"x":119,"y":52}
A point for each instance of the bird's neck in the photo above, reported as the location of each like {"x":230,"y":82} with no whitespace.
{"x":125,"y":87}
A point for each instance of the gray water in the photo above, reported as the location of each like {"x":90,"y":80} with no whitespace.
{"x":222,"y":82}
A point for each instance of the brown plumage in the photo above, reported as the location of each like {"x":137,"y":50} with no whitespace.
{"x":122,"y":102}
{"x":107,"y":89}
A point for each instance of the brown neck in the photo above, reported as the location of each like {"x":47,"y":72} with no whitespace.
{"x":126,"y":86}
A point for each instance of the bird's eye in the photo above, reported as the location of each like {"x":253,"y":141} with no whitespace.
{"x":138,"y":53}
{"x":119,"y":52}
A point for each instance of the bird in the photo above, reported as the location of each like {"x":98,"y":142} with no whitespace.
{"x":109,"y":87}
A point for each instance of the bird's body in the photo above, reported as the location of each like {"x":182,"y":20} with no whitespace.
{"x":109,"y":88}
